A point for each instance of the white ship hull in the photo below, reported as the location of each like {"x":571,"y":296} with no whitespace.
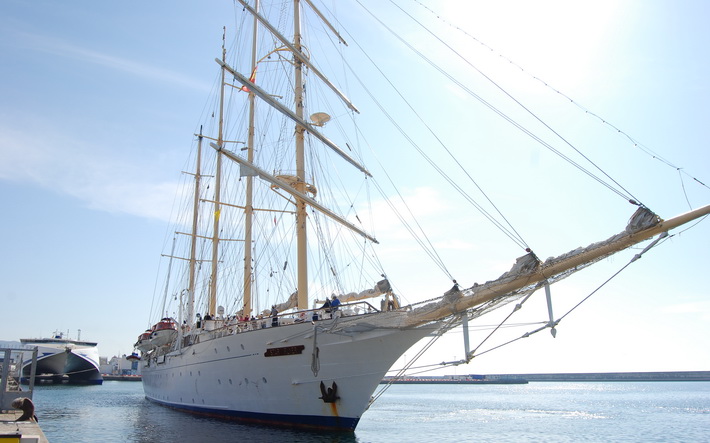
{"x":236,"y":377}
{"x":65,"y":361}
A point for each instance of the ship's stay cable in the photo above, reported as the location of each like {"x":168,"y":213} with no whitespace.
{"x":636,"y":143}
{"x":516,"y":308}
{"x":545,"y":324}
{"x":425,"y":243}
{"x":428,"y":247}
{"x":526,"y":109}
{"x":436,"y":366}
{"x":551,"y":324}
{"x":421,"y":238}
{"x":512,"y":234}
{"x":507,"y":118}
{"x":515,"y":237}
{"x":421,"y":352}
{"x":327,"y":239}
{"x":509,"y":230}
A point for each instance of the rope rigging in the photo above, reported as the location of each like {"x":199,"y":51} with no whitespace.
{"x":504,"y":226}
{"x":587,"y":111}
{"x":509,"y":230}
{"x":552,"y":323}
{"x":505,"y":116}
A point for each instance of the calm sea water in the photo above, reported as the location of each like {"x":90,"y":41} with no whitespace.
{"x":550,"y":412}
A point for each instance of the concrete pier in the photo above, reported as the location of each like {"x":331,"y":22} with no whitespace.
{"x":19,"y":431}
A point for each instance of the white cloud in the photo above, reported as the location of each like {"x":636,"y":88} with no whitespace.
{"x":100,"y":178}
{"x":60,"y":48}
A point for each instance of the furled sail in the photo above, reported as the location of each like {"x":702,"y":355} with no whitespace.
{"x":529,"y":273}
{"x":382,"y":287}
{"x":291,"y":303}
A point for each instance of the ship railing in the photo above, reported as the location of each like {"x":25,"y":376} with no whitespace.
{"x":318,"y":314}
{"x":223,"y":327}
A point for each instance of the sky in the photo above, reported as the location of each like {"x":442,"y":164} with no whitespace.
{"x":98,"y":103}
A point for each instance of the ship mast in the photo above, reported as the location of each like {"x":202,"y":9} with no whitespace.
{"x":163,"y":312}
{"x":298,"y":190}
{"x":301,"y":237}
{"x":248,"y":208}
{"x":193,"y":237}
{"x":212,"y":304}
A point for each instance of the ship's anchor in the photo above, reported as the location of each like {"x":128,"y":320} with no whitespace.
{"x":330,"y":395}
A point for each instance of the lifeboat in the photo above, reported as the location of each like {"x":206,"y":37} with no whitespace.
{"x":143,"y":344}
{"x":164,"y":332}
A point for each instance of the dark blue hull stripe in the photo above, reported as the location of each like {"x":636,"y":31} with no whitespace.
{"x":281,"y":420}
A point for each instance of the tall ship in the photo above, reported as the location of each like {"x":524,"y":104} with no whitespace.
{"x":62,"y":360}
{"x":277,"y":306}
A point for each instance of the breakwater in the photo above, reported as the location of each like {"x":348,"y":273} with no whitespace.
{"x":610,"y":376}
{"x":554,"y":377}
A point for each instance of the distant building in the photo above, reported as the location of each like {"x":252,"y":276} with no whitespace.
{"x":123,"y":365}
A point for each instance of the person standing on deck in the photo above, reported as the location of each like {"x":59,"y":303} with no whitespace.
{"x":274,"y":319}
{"x":334,"y":303}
